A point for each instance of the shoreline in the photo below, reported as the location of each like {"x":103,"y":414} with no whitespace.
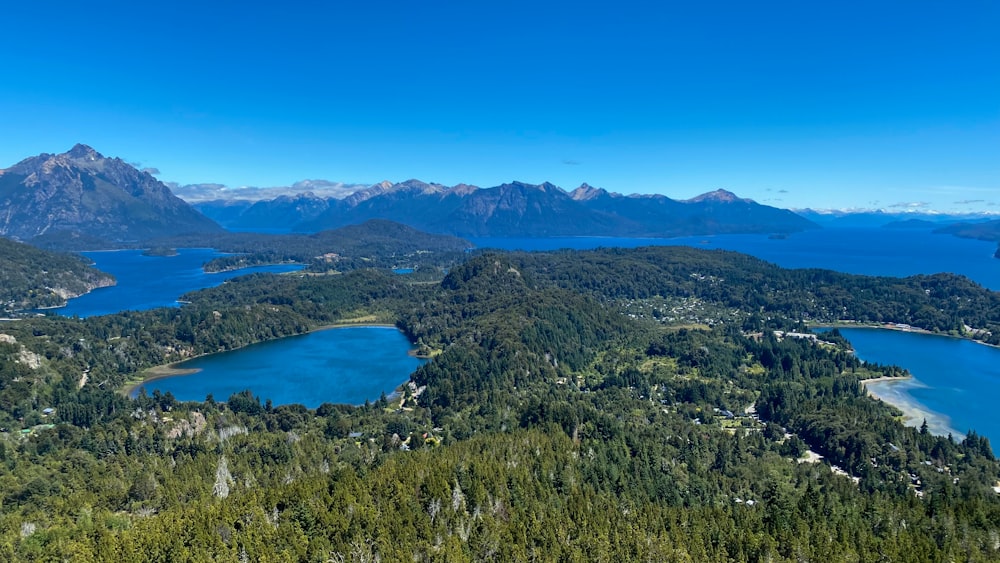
{"x":884,"y":379}
{"x":248,"y":266}
{"x":896,"y":327}
{"x":892,"y":391}
{"x":155,"y":373}
{"x":163,"y":371}
{"x":884,"y":389}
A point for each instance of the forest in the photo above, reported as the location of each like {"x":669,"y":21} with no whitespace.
{"x":375,"y":243}
{"x":638,"y":405}
{"x":33,"y":278}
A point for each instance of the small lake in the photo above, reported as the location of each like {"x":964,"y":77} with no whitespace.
{"x":340,"y":365}
{"x":869,"y":251}
{"x":147,"y":282}
{"x":955,"y":385}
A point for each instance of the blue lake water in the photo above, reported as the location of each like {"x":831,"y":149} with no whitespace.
{"x":955,"y":385}
{"x":952,"y":376}
{"x":146,"y":282}
{"x":342,"y":365}
{"x":871,"y":251}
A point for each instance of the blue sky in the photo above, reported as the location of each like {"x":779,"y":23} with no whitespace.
{"x":797,"y":104}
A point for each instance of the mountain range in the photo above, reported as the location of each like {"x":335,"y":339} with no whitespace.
{"x":81,"y":193}
{"x":515,"y":209}
{"x":81,"y":199}
{"x":873,"y":218}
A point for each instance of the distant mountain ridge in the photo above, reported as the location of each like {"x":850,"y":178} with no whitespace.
{"x":973,"y":225}
{"x":82,"y":193}
{"x":867,"y":218}
{"x":512,"y":209}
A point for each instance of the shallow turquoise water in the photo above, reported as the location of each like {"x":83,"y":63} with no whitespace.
{"x":957,"y":382}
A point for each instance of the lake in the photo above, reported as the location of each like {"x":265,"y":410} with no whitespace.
{"x":147,"y":282}
{"x":869,"y":251}
{"x":955,"y":385}
{"x":340,"y":365}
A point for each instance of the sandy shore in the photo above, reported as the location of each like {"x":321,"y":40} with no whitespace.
{"x":893,"y":391}
{"x":865,"y":382}
{"x":154,"y":373}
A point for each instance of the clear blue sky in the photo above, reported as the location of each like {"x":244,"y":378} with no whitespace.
{"x":822,"y":104}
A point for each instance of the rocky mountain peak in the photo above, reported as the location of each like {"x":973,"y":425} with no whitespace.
{"x":463,"y":189}
{"x":83,"y":152}
{"x":586,"y":192}
{"x":718,"y":196}
{"x":84,"y":192}
{"x":544,"y":187}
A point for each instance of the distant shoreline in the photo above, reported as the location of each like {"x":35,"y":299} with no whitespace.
{"x":896,"y":327}
{"x":164,"y":371}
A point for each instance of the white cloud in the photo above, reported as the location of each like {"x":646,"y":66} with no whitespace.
{"x":194,"y":193}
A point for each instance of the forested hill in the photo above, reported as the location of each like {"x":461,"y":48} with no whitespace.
{"x":33,"y":278}
{"x":988,"y":230}
{"x":945,"y":303}
{"x":631,"y":405}
{"x":373,"y":244}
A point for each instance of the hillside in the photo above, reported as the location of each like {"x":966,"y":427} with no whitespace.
{"x":82,"y":193}
{"x":31,"y":278}
{"x":374,"y":243}
{"x":600,"y":405}
{"x":984,"y":230}
{"x":987,"y":230}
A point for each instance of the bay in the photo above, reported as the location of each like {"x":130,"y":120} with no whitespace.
{"x":955,"y":384}
{"x":868,"y":251}
{"x":339,"y":365}
{"x":147,"y":282}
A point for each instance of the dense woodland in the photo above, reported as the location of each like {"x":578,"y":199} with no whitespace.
{"x":32,"y":278}
{"x":945,"y":303}
{"x":635,"y":405}
{"x":376,"y":243}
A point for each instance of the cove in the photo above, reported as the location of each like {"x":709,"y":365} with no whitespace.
{"x":955,"y":384}
{"x":867,"y":251}
{"x":336,"y":365}
{"x":148,"y":282}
